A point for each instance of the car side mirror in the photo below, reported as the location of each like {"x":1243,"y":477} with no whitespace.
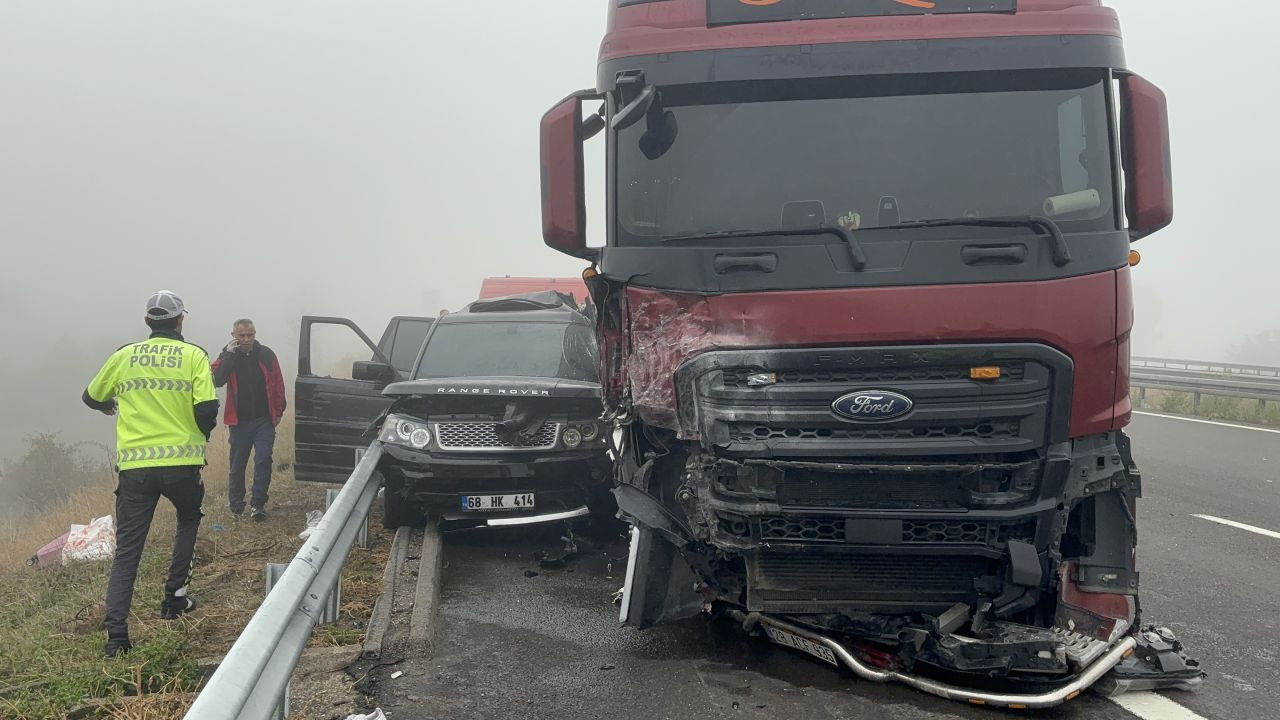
{"x":1148,"y":166}
{"x":564,"y":205}
{"x":371,"y":371}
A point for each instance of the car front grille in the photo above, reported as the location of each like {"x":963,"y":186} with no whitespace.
{"x":484,"y":437}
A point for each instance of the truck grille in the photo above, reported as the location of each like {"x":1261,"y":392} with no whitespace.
{"x":889,"y":491}
{"x":738,"y":377}
{"x":483,"y":437}
{"x":922,"y":531}
{"x":744,"y":432}
{"x":782,"y":403}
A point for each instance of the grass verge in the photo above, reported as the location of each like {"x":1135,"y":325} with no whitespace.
{"x":1237,"y":410}
{"x":51,"y":618}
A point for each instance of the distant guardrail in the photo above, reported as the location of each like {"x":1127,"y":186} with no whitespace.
{"x":1206,"y":366}
{"x":1201,"y":377}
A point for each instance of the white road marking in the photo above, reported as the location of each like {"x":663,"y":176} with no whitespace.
{"x":1151,"y":706}
{"x":1240,"y":525}
{"x":1208,"y":422}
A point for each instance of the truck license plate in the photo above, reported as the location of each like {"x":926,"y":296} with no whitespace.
{"x":519,"y":501}
{"x":791,"y":640}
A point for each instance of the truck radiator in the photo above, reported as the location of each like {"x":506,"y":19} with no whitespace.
{"x":844,"y":582}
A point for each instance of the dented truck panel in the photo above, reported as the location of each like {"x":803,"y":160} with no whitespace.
{"x":666,"y":329}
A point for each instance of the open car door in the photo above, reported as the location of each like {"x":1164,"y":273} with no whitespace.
{"x":333,"y":410}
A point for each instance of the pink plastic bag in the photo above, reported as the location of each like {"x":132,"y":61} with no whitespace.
{"x":51,"y":553}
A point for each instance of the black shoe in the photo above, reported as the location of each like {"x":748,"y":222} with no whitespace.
{"x":258,"y":514}
{"x":171,"y":608}
{"x":237,"y":514}
{"x":117,"y":646}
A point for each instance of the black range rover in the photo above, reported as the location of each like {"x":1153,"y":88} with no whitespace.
{"x":498,"y":421}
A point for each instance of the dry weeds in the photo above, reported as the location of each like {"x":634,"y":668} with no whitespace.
{"x":51,"y":618}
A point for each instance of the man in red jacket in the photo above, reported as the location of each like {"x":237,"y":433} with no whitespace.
{"x":255,"y":404}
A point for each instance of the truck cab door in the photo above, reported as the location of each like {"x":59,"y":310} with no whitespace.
{"x":332,"y":409}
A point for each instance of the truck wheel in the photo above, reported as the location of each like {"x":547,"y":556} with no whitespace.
{"x":398,"y":512}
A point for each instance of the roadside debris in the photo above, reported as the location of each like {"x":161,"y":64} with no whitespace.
{"x":313,"y":520}
{"x":377,"y":714}
{"x":95,"y":541}
{"x":397,"y":674}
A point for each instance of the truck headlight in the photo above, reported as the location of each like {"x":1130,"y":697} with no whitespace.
{"x":572,"y":438}
{"x":406,"y":431}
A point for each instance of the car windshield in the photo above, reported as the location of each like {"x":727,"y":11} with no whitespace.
{"x":870,"y":152}
{"x":510,"y":349}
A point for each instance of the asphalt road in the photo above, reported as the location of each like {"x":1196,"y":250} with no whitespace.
{"x":549,"y":646}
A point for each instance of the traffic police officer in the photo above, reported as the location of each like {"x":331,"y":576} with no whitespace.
{"x":161,"y":392}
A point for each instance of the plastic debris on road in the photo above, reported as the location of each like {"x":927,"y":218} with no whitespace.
{"x":397,"y":674}
{"x":377,"y":714}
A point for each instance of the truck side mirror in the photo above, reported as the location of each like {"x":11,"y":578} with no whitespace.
{"x":1148,"y":166}
{"x":372,"y":371}
{"x":564,"y":205}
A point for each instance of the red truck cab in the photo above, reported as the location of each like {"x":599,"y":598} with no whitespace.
{"x":864,"y":306}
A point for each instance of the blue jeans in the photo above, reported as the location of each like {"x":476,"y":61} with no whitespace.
{"x":258,"y":435}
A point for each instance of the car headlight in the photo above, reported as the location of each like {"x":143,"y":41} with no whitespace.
{"x":590,"y":431}
{"x":406,"y":431}
{"x":572,"y":438}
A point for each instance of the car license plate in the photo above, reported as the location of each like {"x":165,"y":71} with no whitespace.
{"x":519,"y":501}
{"x":791,"y":640}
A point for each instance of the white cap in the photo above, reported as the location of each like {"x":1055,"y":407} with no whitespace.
{"x":164,"y":305}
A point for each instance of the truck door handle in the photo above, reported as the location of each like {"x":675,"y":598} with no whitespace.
{"x":759,"y":262}
{"x":993,"y":254}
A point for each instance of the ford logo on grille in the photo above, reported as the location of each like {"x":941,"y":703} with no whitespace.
{"x":872,"y":405}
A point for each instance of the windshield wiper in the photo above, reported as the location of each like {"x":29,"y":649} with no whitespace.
{"x":1061,"y":253}
{"x":855,"y":250}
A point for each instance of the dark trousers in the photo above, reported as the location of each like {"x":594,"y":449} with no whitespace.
{"x":258,"y":435}
{"x":137,"y":493}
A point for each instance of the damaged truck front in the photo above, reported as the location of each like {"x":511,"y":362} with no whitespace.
{"x":864,"y":310}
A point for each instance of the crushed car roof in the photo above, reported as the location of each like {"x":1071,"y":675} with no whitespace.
{"x":524,"y":302}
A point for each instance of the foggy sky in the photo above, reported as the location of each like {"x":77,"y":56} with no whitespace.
{"x":275,"y":159}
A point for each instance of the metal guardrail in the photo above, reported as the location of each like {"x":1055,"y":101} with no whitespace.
{"x":251,"y":682}
{"x":1199,"y":378}
{"x":1220,"y":368}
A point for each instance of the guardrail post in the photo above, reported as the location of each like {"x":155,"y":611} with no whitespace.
{"x":1195,"y":403}
{"x":362,"y":538}
{"x":1142,"y":397}
{"x":274,"y":573}
{"x":332,"y":604}
{"x":1262,"y":411}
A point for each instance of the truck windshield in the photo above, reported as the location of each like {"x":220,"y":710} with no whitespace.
{"x":873,"y":151}
{"x":510,"y":349}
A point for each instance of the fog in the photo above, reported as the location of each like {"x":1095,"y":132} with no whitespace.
{"x":365,"y":160}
